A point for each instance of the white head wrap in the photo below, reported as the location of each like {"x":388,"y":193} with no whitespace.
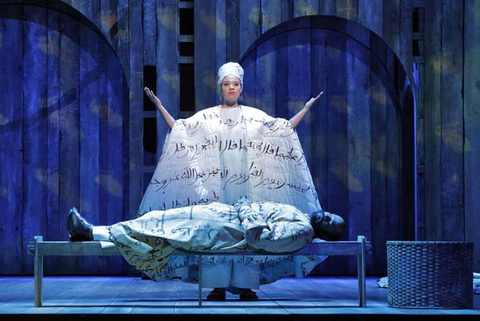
{"x":230,"y":68}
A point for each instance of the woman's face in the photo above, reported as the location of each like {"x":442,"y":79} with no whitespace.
{"x":231,"y":89}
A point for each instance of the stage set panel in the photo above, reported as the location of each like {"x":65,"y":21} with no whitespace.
{"x":355,"y":139}
{"x":62,"y":134}
{"x":66,"y":144}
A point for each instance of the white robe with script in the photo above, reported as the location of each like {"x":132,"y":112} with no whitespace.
{"x":265,"y":227}
{"x":212,"y":158}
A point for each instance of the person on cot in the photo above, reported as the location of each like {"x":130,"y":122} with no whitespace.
{"x":263,"y":227}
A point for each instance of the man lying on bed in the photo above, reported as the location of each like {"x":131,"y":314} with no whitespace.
{"x":265,"y":227}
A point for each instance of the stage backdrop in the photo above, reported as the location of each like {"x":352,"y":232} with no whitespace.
{"x":62,"y":104}
{"x":440,"y":36}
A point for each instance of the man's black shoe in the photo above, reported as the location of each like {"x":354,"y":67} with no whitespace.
{"x":78,"y":227}
{"x":217,"y":294}
{"x":248,"y":295}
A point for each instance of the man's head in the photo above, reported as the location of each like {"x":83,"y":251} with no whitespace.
{"x":328,"y":226}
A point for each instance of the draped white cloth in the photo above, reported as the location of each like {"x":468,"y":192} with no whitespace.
{"x":217,"y":156}
{"x":189,"y":171}
{"x":147,"y":242}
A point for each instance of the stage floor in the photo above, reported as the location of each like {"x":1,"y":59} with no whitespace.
{"x":330,"y":298}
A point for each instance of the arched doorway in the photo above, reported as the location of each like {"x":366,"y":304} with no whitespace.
{"x":63,"y":101}
{"x":359,"y":139}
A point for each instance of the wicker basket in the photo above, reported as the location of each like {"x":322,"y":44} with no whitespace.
{"x":430,"y":274}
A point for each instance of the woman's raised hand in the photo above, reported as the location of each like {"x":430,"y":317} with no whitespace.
{"x":295,"y":120}
{"x":154,"y":99}
{"x":312,"y":101}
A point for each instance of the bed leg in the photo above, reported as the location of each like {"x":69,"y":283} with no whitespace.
{"x":200,"y":280}
{"x":38,"y":272}
{"x":361,"y":273}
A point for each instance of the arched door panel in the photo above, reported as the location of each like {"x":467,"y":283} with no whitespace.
{"x":62,"y":107}
{"x":352,"y":138}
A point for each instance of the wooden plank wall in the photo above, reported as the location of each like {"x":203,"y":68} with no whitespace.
{"x":90,"y":148}
{"x":299,"y":80}
{"x":69,"y":114}
{"x":64,"y":134}
{"x":448,"y":194}
{"x":35,"y":124}
{"x":320,"y":116}
{"x":472,"y":125}
{"x":379,"y":201}
{"x":336,"y":179}
{"x":166,"y":62}
{"x":432,"y":116}
{"x":419,"y":77}
{"x":206,"y":92}
{"x":149,"y":30}
{"x":11,"y":142}
{"x":451,"y":216}
{"x":447,"y":145}
{"x":221,"y":32}
{"x":359,"y":140}
{"x":264,"y":67}
{"x":138,"y":58}
{"x":345,"y":129}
